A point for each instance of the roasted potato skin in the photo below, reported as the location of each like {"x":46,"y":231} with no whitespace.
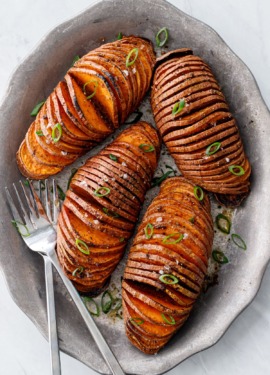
{"x":102,"y":206}
{"x":96,"y":96}
{"x":204,"y":120}
{"x":174,"y":238}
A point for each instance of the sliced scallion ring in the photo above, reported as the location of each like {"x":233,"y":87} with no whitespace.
{"x":146,"y":148}
{"x":148,"y":231}
{"x":122,"y":239}
{"x":179,"y":238}
{"x":168,"y":319}
{"x":75,"y":59}
{"x":119,"y":36}
{"x":109,"y":213}
{"x":19,"y":226}
{"x":238,"y":240}
{"x":192,"y":219}
{"x":95,"y":88}
{"x":113,"y":157}
{"x":106,"y":302}
{"x":37,"y":108}
{"x":78,"y":271}
{"x":219,"y":257}
{"x":136,"y":321}
{"x":169,"y":279}
{"x":91,"y":302}
{"x":56,"y":132}
{"x":223,"y":223}
{"x":161,"y":43}
{"x":178,"y":107}
{"x":157,"y":180}
{"x":237,"y":170}
{"x":60,"y":192}
{"x":213,"y":148}
{"x":138,"y":116}
{"x":82,"y":246}
{"x":39,"y":133}
{"x":135,"y":52}
{"x":198,"y":192}
{"x":98,"y":192}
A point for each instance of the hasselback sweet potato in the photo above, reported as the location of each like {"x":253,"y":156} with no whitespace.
{"x":197,"y":127}
{"x":102,"y":206}
{"x":97,"y":95}
{"x":167,"y":264}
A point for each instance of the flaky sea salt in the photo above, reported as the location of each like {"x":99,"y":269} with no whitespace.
{"x":126,"y":72}
{"x":125,"y":176}
{"x":185,"y":236}
{"x":64,"y":153}
{"x":161,"y":272}
{"x":124,"y":164}
{"x":159,"y":219}
{"x":96,"y":222}
{"x":227,"y":160}
{"x":134,"y":70}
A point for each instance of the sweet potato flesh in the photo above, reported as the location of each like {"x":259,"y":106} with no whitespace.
{"x":102,"y":206}
{"x":205,"y":122}
{"x":174,"y":239}
{"x":96,"y":96}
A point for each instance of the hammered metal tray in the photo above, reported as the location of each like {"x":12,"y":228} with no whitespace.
{"x":238,"y":282}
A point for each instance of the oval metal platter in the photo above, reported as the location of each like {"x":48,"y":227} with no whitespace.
{"x":238,"y":281}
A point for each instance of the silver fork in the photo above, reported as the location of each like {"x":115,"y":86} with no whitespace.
{"x":40,"y":236}
{"x":31,"y":224}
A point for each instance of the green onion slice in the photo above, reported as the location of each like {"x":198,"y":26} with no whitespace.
{"x":161,"y":43}
{"x":223,"y":223}
{"x":56,"y":132}
{"x":136,"y":321}
{"x":138,"y":116}
{"x":213,"y":148}
{"x":170,"y":320}
{"x":135,"y":52}
{"x":39,"y":133}
{"x":239,"y":241}
{"x":98,"y":192}
{"x":109,"y":213}
{"x":148,"y":231}
{"x":73,"y":171}
{"x":117,"y":304}
{"x":178,"y":107}
{"x":179,"y":238}
{"x":82,"y":246}
{"x":198,"y":192}
{"x":119,"y":36}
{"x":192,"y":219}
{"x":106,"y":302}
{"x":78,"y":271}
{"x":237,"y":170}
{"x":26,"y":183}
{"x":76,"y":58}
{"x":122,"y":239}
{"x":91,"y":302}
{"x":19,"y":226}
{"x":95,"y":88}
{"x":219,"y":257}
{"x":61,"y":194}
{"x":113,"y":157}
{"x":167,"y":278}
{"x":37,"y":108}
{"x":146,"y":148}
{"x":157,"y":180}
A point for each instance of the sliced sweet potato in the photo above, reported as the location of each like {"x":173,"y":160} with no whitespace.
{"x":203,"y":123}
{"x":167,"y":264}
{"x":101,"y":208}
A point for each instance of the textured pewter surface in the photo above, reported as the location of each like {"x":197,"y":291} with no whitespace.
{"x":239,"y":281}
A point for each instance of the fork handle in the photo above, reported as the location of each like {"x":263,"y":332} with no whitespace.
{"x":104,"y":348}
{"x":52,"y":327}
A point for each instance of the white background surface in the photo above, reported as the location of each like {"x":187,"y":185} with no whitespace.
{"x":245,"y":27}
